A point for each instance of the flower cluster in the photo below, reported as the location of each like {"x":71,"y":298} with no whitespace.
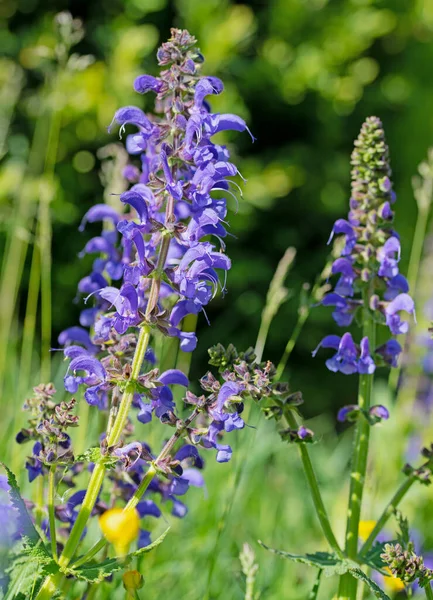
{"x":406,"y":565}
{"x":47,"y":429}
{"x":367,"y":269}
{"x":172,"y":213}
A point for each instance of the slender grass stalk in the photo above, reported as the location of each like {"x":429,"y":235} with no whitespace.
{"x":18,"y":239}
{"x":306,"y":304}
{"x":315,"y":591}
{"x":45,"y":238}
{"x":27,"y":347}
{"x":387,"y":512}
{"x":303,"y":314}
{"x":314,"y":488}
{"x":276,"y":296}
{"x":348,"y":584}
{"x":51,"y":515}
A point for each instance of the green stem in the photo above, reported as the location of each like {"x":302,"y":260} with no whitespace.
{"x":97,"y":477}
{"x":314,"y":489}
{"x":132,"y":503}
{"x":145,"y":482}
{"x":348,"y":584}
{"x":428,"y":592}
{"x":388,"y":511}
{"x":39,"y":508}
{"x":51,"y":514}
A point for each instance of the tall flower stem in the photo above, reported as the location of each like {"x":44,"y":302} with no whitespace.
{"x":388,"y":511}
{"x":349,"y":585}
{"x":113,"y":438}
{"x":314,"y":488}
{"x":428,"y":592}
{"x":51,"y":515}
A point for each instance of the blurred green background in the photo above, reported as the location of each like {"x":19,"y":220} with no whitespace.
{"x":304,"y":74}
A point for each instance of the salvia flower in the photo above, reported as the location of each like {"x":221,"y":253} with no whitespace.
{"x":181,"y":179}
{"x":368,"y":267}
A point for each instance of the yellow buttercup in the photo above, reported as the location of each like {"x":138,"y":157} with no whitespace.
{"x":120,"y":527}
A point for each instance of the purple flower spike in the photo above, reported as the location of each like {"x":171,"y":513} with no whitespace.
{"x":368,"y":265}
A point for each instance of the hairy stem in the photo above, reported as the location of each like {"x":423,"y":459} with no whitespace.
{"x":51,"y":515}
{"x":314,"y":488}
{"x":348,"y":584}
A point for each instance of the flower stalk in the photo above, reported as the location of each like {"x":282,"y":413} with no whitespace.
{"x":51,"y":515}
{"x":314,"y":488}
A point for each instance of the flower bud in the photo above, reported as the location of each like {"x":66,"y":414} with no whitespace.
{"x":132,"y":580}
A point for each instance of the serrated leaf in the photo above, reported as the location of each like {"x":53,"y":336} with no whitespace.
{"x":330,"y":563}
{"x":97,"y":572}
{"x":150,"y":547}
{"x":318,"y":559}
{"x":377,"y":591}
{"x":28,"y":529}
{"x":28,"y":570}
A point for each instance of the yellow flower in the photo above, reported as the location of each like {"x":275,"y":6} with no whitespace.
{"x":391,"y":583}
{"x":120,"y":527}
{"x":365,"y":528}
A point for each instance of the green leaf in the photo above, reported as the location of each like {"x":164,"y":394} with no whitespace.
{"x":379,"y":593}
{"x":29,"y":532}
{"x":97,"y":572}
{"x":150,"y":547}
{"x":28,"y":568}
{"x":330,"y":563}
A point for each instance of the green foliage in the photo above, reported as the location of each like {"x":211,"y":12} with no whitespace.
{"x":31,"y":561}
{"x":30,"y":535}
{"x":328,"y":562}
{"x":96,"y":572}
{"x":29,"y":565}
{"x":331,"y":565}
